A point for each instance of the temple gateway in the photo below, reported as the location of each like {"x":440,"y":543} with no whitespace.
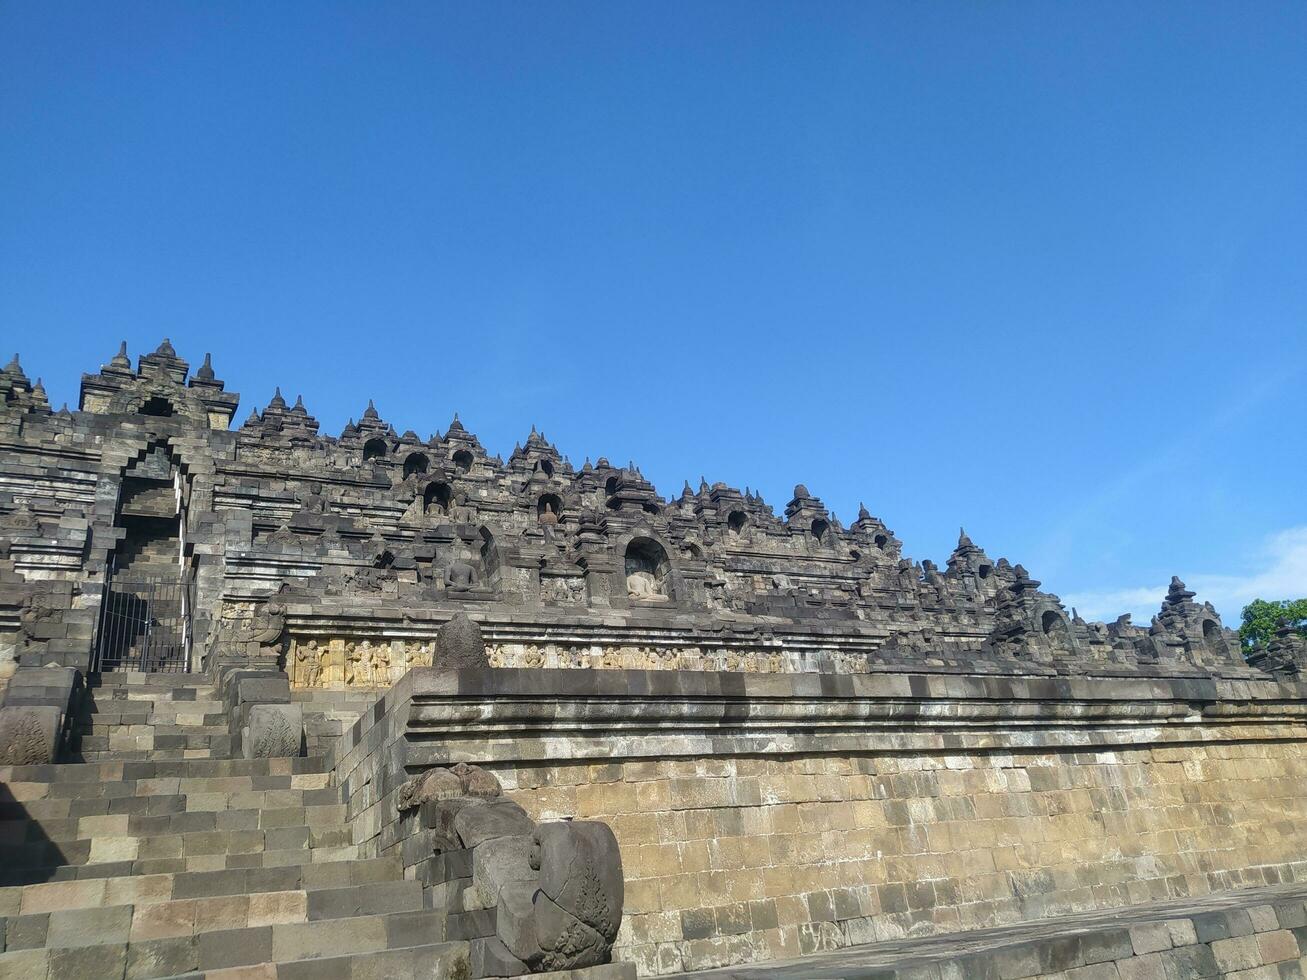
{"x":271,"y":698}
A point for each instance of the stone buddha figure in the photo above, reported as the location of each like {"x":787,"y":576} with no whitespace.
{"x":641,"y":584}
{"x":313,"y":502}
{"x":460,"y":577}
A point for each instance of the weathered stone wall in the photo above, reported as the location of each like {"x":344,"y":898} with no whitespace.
{"x":765,"y":816}
{"x":731,"y":860}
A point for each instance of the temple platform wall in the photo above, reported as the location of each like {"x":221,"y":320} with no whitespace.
{"x":769,"y":816}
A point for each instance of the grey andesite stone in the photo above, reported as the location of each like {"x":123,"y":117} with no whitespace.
{"x":459,"y":644}
{"x":485,"y":821}
{"x":581,"y":870}
{"x":275,"y":731}
{"x":495,"y":863}
{"x":29,"y":734}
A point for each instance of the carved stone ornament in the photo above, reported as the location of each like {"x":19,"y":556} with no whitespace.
{"x":447,"y":784}
{"x":274,"y":731}
{"x":29,"y":735}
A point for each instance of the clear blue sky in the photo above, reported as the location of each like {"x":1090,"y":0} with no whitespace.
{"x":1035,"y":268}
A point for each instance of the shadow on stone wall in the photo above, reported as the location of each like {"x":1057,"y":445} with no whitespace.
{"x":28,"y":855}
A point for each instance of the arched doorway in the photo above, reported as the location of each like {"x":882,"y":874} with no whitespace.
{"x":145,"y":613}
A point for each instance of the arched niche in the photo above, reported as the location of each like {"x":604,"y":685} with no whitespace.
{"x":985,"y":570}
{"x":463,"y":461}
{"x":549,"y":508}
{"x":1053,"y":623}
{"x":610,"y":485}
{"x":736,"y":521}
{"x":436,"y":498}
{"x":1214,"y":639}
{"x":489,"y":553}
{"x":820,"y":526}
{"x":415,"y":463}
{"x":648,"y":570}
{"x":374,"y":449}
{"x":882,"y":541}
{"x":544,"y":466}
{"x":157,"y":406}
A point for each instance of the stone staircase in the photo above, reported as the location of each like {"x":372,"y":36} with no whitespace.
{"x":135,"y":715}
{"x":157,"y":857}
{"x":329,"y":714}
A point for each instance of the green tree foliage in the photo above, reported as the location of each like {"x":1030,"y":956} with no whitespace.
{"x":1262,"y":618}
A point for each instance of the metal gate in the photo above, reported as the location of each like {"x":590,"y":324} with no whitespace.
{"x":145,"y":624}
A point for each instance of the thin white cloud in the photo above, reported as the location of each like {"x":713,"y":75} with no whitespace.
{"x":1280,"y":572}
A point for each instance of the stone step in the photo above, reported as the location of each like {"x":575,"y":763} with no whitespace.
{"x":109,"y":848}
{"x":94,"y":943}
{"x":434,"y":961}
{"x":51,"y":896}
{"x":133,"y":704}
{"x":157,"y":692}
{"x":101,"y":772}
{"x":67,"y":807}
{"x":186,"y":917}
{"x":59,"y":868}
{"x":135,"y":755}
{"x":324,"y":817}
{"x":115,"y":717}
{"x":132,"y":737}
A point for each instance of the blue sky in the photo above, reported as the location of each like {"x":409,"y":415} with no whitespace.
{"x":1039,"y":269}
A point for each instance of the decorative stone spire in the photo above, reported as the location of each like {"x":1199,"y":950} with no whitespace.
{"x":278,"y":403}
{"x":121,"y":361}
{"x":455,"y":426}
{"x":40,"y":401}
{"x":14,"y":368}
{"x":1022,"y":582}
{"x":1177,"y":593}
{"x":165,"y":349}
{"x":963,"y":540}
{"x":298,"y":408}
{"x":371,"y":411}
{"x":205,"y":373}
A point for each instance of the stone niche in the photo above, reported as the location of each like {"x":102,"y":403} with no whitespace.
{"x":648,"y":571}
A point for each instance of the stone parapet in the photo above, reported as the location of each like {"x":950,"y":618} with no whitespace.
{"x":764,"y":816}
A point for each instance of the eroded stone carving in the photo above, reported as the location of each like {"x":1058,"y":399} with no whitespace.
{"x":459,"y":645}
{"x":274,"y":731}
{"x":460,"y":576}
{"x":568,"y":917}
{"x":555,"y":888}
{"x":460,"y":779}
{"x":29,"y":735}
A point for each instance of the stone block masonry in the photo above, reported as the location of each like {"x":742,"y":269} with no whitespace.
{"x":764,"y":817}
{"x":1256,"y":934}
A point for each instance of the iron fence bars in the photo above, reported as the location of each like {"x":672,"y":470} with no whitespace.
{"x":145,"y":624}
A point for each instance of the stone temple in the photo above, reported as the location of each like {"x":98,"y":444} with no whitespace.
{"x":275,"y":703}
